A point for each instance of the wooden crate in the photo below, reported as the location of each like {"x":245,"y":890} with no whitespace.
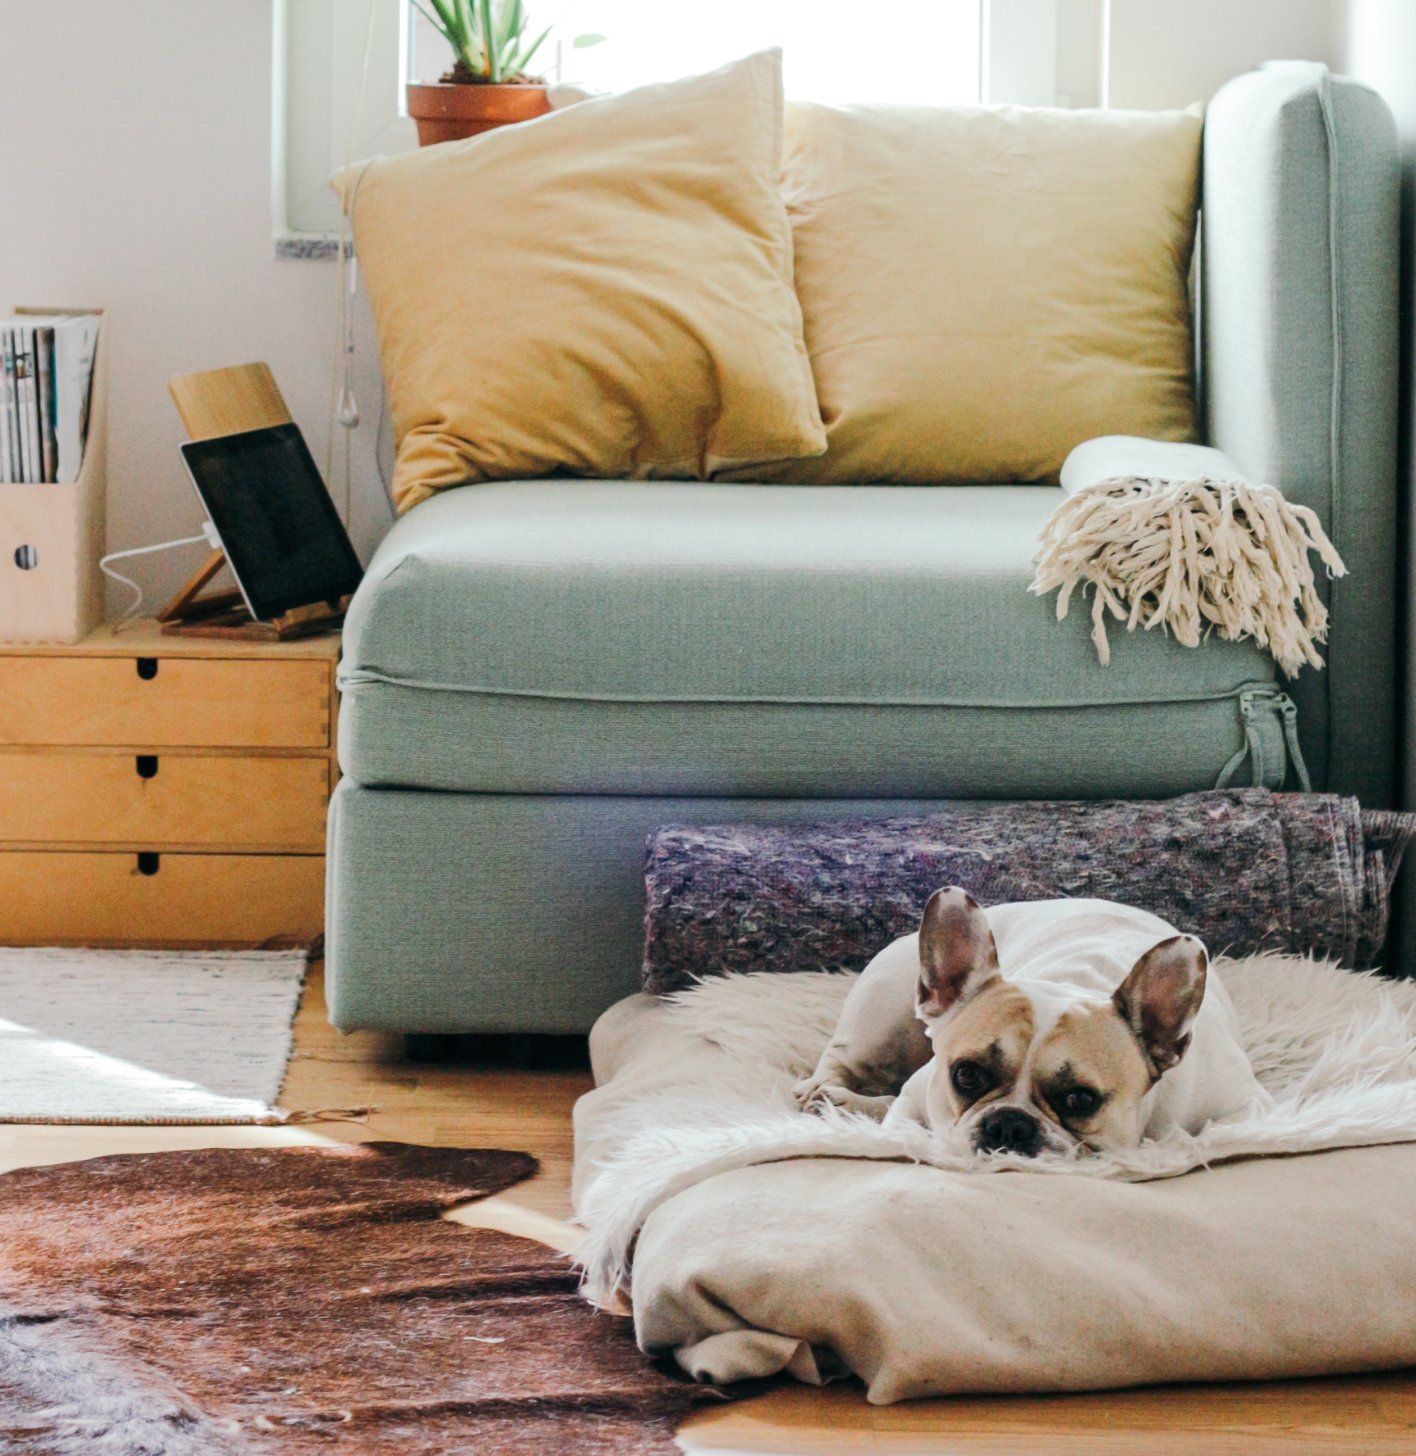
{"x":51,"y":536}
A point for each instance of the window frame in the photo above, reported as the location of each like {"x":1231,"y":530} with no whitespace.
{"x":317,"y":64}
{"x":317,"y":61}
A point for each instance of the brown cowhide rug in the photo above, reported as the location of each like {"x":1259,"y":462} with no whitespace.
{"x":236,"y":1302}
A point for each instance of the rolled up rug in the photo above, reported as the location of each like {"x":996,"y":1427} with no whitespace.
{"x":1246,"y":870}
{"x":1175,"y":536}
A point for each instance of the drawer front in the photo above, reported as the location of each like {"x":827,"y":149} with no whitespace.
{"x":163,"y":800}
{"x":64,"y":898}
{"x":170,"y":702}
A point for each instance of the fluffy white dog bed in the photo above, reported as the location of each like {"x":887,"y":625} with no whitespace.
{"x":764,"y":1239}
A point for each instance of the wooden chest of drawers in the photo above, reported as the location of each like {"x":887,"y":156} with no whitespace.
{"x":164,"y":790}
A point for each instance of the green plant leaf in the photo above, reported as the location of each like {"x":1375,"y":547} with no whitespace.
{"x":438,"y":22}
{"x":449,"y":24}
{"x":473,"y":50}
{"x":492,"y":66}
{"x":514,"y":24}
{"x":489,"y":36}
{"x":511,"y":23}
{"x":524,"y":58}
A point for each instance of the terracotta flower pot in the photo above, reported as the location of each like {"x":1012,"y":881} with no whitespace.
{"x":448,"y":111}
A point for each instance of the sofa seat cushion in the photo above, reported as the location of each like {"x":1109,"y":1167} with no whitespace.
{"x":617,"y":637}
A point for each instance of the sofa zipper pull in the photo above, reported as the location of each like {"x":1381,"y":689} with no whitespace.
{"x":1289,"y":709}
{"x":1267,"y":700}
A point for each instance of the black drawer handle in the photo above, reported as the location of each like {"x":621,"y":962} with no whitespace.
{"x":149,"y":861}
{"x":147,"y":765}
{"x":147,"y":668}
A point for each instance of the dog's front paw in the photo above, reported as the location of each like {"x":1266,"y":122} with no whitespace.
{"x":809,"y":1091}
{"x":814,"y":1096}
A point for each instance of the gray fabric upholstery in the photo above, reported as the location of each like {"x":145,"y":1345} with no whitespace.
{"x":1299,"y":294}
{"x":644,"y":591}
{"x":609,"y":637}
{"x":504,"y":912}
{"x":578,"y":662}
{"x":407,"y":738}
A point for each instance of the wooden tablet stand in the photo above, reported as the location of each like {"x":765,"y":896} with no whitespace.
{"x":227,"y":402}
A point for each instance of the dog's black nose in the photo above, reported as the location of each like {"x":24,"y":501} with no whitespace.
{"x":1009,"y":1131}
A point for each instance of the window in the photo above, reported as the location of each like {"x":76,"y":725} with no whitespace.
{"x":318,"y":68}
{"x":1134,"y":53}
{"x":913,"y":51}
{"x":919,"y":51}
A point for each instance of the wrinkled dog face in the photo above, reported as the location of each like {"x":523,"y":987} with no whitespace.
{"x":1043,"y":1069}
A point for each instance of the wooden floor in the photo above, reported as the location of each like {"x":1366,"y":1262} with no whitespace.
{"x":491,"y":1102}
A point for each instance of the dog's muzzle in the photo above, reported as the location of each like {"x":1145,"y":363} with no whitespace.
{"x":1009,"y":1130}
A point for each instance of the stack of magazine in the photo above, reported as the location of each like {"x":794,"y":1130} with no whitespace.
{"x":46,"y":371}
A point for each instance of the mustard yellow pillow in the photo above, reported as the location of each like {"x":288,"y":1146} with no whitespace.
{"x":984,"y":288}
{"x":605,"y":290}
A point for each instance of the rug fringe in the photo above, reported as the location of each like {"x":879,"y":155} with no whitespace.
{"x":298,"y":1118}
{"x":305,"y":1115}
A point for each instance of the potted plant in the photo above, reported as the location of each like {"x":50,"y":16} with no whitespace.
{"x":488,"y":85}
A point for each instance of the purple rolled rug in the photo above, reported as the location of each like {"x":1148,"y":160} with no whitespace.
{"x":1244,"y":869}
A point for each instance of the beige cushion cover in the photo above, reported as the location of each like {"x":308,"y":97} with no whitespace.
{"x":923,"y":1283}
{"x":984,"y":288}
{"x":606,"y":290}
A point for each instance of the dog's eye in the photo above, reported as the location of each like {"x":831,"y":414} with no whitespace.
{"x":969,"y":1079}
{"x":1079,"y":1102}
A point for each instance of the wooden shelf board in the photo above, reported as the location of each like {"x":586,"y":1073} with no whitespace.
{"x":203,"y":851}
{"x":274,"y":942}
{"x":159,"y":750}
{"x":144,"y":638}
{"x":307,"y":849}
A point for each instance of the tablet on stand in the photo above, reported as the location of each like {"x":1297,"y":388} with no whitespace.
{"x":294,"y":565}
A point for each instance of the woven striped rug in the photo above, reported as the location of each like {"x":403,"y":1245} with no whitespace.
{"x":108,"y":1036}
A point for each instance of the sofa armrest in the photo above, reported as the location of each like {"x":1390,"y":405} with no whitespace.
{"x":1298,"y":366}
{"x":1119,"y":457}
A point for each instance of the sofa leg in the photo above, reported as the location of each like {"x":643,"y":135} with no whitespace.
{"x":517,"y":1051}
{"x":432,"y":1048}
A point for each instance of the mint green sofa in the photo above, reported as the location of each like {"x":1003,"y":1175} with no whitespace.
{"x":537,"y":673}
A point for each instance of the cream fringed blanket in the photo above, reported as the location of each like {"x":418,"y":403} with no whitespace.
{"x":1175,"y":536}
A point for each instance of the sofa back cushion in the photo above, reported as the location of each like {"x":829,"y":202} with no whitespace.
{"x":985,"y":287}
{"x":605,"y":290}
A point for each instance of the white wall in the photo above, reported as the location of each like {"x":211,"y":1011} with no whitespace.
{"x":1375,"y":42}
{"x":1163,"y":54}
{"x":135,"y":173}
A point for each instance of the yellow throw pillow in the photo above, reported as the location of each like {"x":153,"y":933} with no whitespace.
{"x":986,"y":287}
{"x":605,"y":290}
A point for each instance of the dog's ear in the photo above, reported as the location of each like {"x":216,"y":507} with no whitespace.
{"x":1161,"y":997}
{"x":957,"y":953}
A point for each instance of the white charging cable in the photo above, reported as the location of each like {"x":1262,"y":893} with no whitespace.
{"x":208,"y":536}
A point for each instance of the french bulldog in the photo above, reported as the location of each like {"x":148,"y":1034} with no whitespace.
{"x":1061,"y":1026}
